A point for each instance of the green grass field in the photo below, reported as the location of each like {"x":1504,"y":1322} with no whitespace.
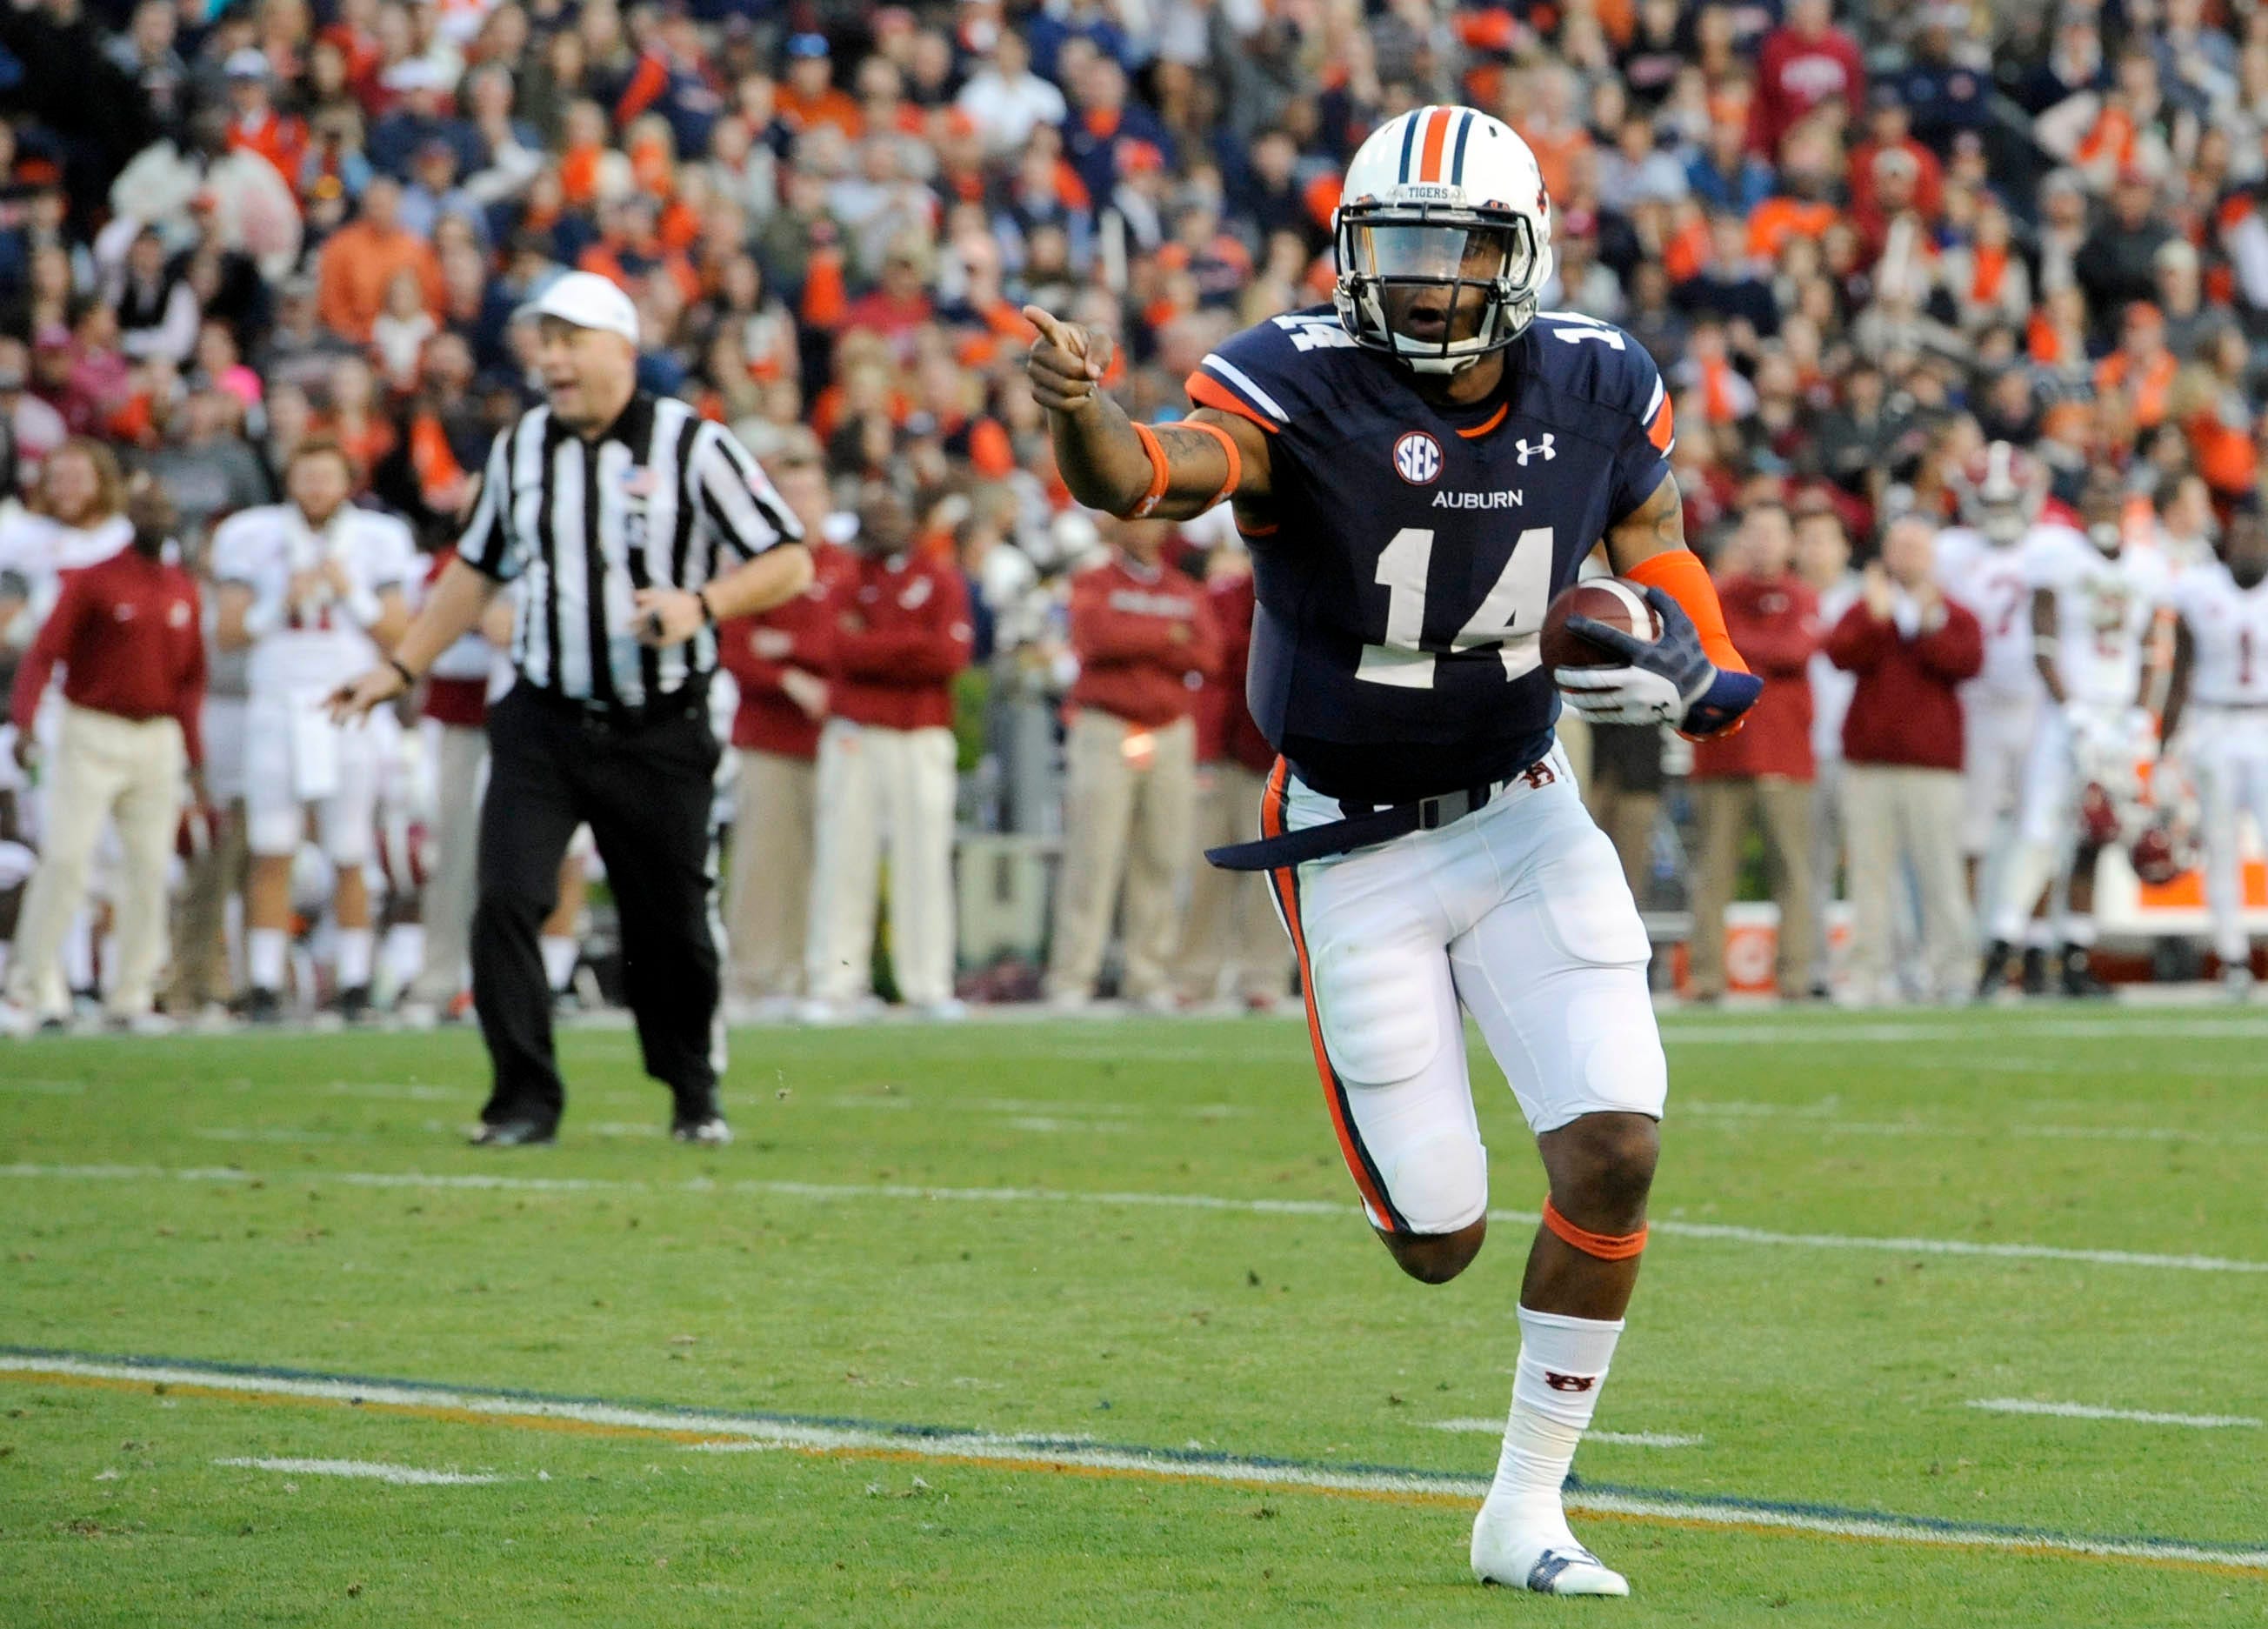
{"x":1078,"y":1324}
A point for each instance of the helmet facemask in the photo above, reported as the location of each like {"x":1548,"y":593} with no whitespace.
{"x":1399,"y":262}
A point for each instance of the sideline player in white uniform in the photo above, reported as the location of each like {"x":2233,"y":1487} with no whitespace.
{"x":1419,"y":467}
{"x":2094,"y":600}
{"x":314,"y":587}
{"x":1981,"y":564}
{"x":2220,"y":692}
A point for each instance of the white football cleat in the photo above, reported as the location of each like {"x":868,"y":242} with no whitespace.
{"x":1532,"y":1556}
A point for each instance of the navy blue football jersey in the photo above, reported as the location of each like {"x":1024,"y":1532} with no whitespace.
{"x":1416,"y":547}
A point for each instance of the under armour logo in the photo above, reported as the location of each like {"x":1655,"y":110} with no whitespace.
{"x":1569,"y":1382}
{"x":1541,"y":450}
{"x":1537,"y":775}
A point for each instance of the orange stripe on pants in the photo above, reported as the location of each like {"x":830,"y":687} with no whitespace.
{"x":1285,"y":878}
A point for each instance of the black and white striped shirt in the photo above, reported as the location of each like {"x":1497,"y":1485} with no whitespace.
{"x":664,"y":499}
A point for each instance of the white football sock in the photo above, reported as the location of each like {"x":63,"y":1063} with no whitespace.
{"x":2029,"y":870}
{"x":2079,"y":929}
{"x":405,"y":951}
{"x":1555,"y":1391}
{"x":2039,"y":934}
{"x":78,"y":951}
{"x":264,"y":949}
{"x":559,"y":953}
{"x":354,"y":958}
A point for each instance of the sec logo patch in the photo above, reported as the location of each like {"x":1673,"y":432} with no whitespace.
{"x":1417,"y":459}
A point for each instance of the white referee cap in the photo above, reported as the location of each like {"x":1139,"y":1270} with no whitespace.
{"x":587,"y":300}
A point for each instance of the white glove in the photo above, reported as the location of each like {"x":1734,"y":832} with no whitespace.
{"x":1620,"y":695}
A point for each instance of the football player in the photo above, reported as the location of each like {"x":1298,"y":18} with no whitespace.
{"x":314,"y":588}
{"x":1980,"y":564}
{"x":2220,"y":689}
{"x":1419,"y":467}
{"x":2092,"y":602}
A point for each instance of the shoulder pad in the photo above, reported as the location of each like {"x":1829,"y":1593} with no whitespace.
{"x":1601,"y":362}
{"x":1274,"y":370}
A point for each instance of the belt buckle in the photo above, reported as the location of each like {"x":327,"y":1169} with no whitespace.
{"x":1449,"y":807}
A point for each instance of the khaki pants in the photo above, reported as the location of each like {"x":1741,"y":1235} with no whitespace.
{"x":1131,"y":814}
{"x":1726,"y":809}
{"x":1898,"y":816}
{"x":767,"y":902}
{"x":201,"y":969}
{"x":1232,"y":935}
{"x":105,"y":769}
{"x":446,"y":905}
{"x":877,"y":788}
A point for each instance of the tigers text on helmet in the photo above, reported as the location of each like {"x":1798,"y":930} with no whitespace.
{"x":1438,"y":202}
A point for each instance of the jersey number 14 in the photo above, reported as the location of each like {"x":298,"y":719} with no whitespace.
{"x":1504,"y":625}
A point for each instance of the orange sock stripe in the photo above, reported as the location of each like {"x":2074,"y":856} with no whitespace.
{"x":1605,"y":1246}
{"x":1285,"y":881}
{"x":1680,"y":574}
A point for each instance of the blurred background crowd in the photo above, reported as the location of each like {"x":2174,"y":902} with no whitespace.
{"x":1863,"y":240}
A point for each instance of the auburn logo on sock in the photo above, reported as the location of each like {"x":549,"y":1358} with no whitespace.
{"x":1569,"y":1382}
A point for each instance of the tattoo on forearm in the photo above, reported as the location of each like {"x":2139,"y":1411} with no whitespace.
{"x":1183,"y":447}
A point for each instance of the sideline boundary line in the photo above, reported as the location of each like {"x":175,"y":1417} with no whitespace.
{"x":1722,"y":1232}
{"x":748,"y":1430}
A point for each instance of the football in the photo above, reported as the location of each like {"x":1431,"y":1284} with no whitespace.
{"x":1608,"y":599}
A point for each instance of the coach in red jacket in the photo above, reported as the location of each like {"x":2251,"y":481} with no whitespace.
{"x":128,"y":633}
{"x":1761,"y":774}
{"x":899,"y":631}
{"x":1909,"y":647}
{"x":1231,"y":942}
{"x":779,"y":660}
{"x":1143,"y":637}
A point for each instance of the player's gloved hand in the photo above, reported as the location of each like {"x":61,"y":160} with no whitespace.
{"x":1670,"y":681}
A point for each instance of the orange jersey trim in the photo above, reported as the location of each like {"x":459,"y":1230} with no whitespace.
{"x":1207,"y":391}
{"x":1503,"y":411}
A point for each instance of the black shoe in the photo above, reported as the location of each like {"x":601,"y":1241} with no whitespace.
{"x":709,"y":1128}
{"x":2078,"y":980}
{"x":2036,"y":971}
{"x":1993,"y":976}
{"x":515,"y":1134}
{"x":263,"y":1006}
{"x":354,"y":1005}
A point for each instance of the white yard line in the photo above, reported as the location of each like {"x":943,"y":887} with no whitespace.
{"x":367,"y":1470}
{"x":2089,"y":1410}
{"x":1724,"y":1232}
{"x":729,"y":1433}
{"x":1494,"y":1428}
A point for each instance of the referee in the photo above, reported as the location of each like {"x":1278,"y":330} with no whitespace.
{"x":634,"y":528}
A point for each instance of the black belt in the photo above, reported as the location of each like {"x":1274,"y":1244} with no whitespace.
{"x":1356,"y":831}
{"x":689,"y":701}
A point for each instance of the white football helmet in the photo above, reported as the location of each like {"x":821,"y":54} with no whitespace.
{"x":1441,"y":198}
{"x":2001,"y":492}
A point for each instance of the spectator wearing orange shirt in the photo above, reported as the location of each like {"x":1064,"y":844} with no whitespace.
{"x":361,"y":259}
{"x":253,"y":123}
{"x":809,"y":96}
{"x":2139,"y":374}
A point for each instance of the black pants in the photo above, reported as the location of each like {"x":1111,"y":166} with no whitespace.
{"x":645,"y":789}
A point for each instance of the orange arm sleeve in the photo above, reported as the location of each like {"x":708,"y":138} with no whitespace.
{"x":1679,"y":573}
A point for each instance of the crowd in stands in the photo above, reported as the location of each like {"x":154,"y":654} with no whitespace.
{"x":1863,"y":240}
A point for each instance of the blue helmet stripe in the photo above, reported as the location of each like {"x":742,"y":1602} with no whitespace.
{"x":1409,"y":138}
{"x":1457,"y":161}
